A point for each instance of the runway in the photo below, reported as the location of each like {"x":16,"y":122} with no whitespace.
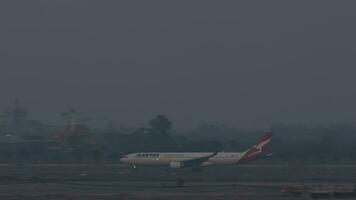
{"x":134,"y":190}
{"x":110,"y":181}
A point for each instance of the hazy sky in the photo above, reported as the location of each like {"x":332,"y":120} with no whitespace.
{"x":241,"y":63}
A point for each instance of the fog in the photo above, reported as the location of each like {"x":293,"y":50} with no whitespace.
{"x":245,"y":64}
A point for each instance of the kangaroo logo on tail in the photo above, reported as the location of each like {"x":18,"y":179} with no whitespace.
{"x":258,"y":149}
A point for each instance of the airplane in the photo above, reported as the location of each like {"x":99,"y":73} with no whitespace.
{"x":196,"y":160}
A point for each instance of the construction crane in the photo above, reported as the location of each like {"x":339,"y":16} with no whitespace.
{"x":72,"y":116}
{"x":74,"y":129}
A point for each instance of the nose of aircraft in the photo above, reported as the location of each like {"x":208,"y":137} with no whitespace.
{"x":124,"y":159}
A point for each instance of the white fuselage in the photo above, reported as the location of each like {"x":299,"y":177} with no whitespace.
{"x":156,"y":158}
{"x":197,"y":159}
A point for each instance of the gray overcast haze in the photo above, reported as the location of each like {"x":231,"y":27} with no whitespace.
{"x":242,"y":63}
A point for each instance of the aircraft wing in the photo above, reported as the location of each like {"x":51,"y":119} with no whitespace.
{"x":196,"y":162}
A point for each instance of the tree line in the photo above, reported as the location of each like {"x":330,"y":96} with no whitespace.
{"x":324,"y":143}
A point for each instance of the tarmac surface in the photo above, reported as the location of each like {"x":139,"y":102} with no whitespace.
{"x":109,"y":181}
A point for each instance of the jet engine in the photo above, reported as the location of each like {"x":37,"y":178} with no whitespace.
{"x":176,"y":165}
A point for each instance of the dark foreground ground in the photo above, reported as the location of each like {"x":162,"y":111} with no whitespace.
{"x":104,"y":181}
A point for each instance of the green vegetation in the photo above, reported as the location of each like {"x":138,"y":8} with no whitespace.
{"x":327,"y":143}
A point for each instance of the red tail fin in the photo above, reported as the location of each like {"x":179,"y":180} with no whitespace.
{"x":258,"y":149}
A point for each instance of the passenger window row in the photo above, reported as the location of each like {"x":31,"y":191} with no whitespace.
{"x":147,"y":155}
